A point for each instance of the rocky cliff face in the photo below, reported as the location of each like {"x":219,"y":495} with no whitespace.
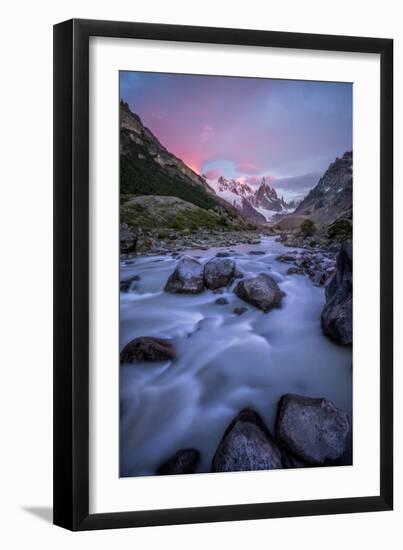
{"x":256,"y":204}
{"x":136,"y":138}
{"x":148,"y":168}
{"x":233,"y":186}
{"x":332,"y":196}
{"x":266,"y":197}
{"x":250,"y":213}
{"x":337,"y":315}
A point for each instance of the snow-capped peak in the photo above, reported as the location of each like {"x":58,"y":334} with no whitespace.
{"x":263,"y":200}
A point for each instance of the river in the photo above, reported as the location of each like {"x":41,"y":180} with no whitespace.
{"x":225,"y":362}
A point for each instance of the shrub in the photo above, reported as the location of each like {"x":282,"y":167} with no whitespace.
{"x":340,"y":230}
{"x":162,"y":234}
{"x":307,"y":228}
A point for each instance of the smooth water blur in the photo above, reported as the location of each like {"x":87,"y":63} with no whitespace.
{"x":225,"y":362}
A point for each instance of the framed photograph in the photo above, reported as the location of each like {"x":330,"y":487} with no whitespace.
{"x":223,"y":321}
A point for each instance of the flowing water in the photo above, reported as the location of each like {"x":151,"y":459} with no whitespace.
{"x":225,"y":362}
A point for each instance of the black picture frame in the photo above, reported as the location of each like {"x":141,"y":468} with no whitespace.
{"x":71,"y":274}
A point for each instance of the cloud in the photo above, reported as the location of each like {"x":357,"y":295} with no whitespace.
{"x":206,"y":133}
{"x":296,"y":187}
{"x":246,"y":127}
{"x":213,"y":174}
{"x":156,"y":116}
{"x":248,"y":167}
{"x":221,"y":167}
{"x":297,"y":183}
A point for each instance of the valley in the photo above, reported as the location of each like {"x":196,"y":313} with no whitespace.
{"x":235,"y":316}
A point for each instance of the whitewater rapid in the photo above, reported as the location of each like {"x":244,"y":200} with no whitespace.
{"x":225,"y":362}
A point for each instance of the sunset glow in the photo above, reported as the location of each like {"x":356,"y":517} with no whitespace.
{"x":246,"y":128}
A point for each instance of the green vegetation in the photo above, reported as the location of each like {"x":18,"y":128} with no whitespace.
{"x":171,"y":213}
{"x":158,"y":191}
{"x":340,"y":230}
{"x":141,"y":175}
{"x":307,"y":228}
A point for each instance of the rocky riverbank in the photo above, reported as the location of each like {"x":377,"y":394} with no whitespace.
{"x":170,"y":241}
{"x":178,"y":335}
{"x":337,"y":315}
{"x":313,"y":257}
{"x":326,"y":263}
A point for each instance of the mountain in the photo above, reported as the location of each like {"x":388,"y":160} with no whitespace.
{"x":148,"y":168}
{"x":266,"y":197}
{"x":292,"y":205}
{"x":259,"y":205}
{"x":329,"y":200}
{"x":233,"y":191}
{"x":250,"y":213}
{"x":332,"y":196}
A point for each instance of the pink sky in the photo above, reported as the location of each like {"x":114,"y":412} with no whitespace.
{"x":245,"y":127}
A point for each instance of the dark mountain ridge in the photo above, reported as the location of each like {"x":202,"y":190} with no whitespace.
{"x":148,"y":168}
{"x":331,"y":198}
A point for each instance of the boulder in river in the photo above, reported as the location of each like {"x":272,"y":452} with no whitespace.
{"x":291,"y":461}
{"x":222,"y":301}
{"x":148,"y":348}
{"x":246,"y":445}
{"x":187,"y":277}
{"x":240,"y":310}
{"x":286,"y":258}
{"x":295,"y":271}
{"x":314,"y":430}
{"x":261,"y":291}
{"x":337,"y":315}
{"x":318,"y":277}
{"x":238,"y":274}
{"x":128,"y":240}
{"x":184,"y":461}
{"x":218,"y":272}
{"x":129,"y":284}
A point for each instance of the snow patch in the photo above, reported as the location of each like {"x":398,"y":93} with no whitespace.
{"x":229,"y":196}
{"x":268,"y":214}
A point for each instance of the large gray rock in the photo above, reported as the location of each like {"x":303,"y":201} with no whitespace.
{"x":128,"y":240}
{"x":148,"y":348}
{"x":261,"y":291}
{"x":292,"y":461}
{"x":314,"y":430}
{"x":127,"y":285}
{"x":218,"y":272}
{"x":286,"y":258}
{"x":240,"y":310}
{"x":337,"y":315}
{"x":184,"y":461}
{"x":187,"y":277}
{"x":246,"y":445}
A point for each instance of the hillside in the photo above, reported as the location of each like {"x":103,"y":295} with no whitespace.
{"x":154,"y":211}
{"x":148,"y":168}
{"x":332,"y":196}
{"x":329,"y":200}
